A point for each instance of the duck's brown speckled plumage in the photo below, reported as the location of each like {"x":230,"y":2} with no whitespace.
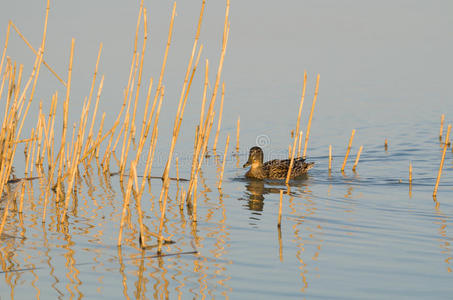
{"x":274,"y":169}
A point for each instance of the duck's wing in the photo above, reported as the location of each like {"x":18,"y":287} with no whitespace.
{"x":301,"y":167}
{"x":276,"y":169}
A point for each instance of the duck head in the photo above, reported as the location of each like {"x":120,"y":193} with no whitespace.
{"x":255,"y":157}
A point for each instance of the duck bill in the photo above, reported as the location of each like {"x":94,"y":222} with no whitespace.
{"x":248,"y":163}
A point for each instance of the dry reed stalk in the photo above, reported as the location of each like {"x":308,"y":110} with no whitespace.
{"x":177,"y":168}
{"x":11,"y":78}
{"x":18,"y":84}
{"x":90,"y":132}
{"x":347,"y":151}
{"x":101,"y":128}
{"x":199,"y":128}
{"x":30,"y":144}
{"x":22,"y":192}
{"x":8,"y":30}
{"x":442,"y":118}
{"x":238,"y":129}
{"x":330,"y":157}
{"x":65,"y":115}
{"x":2,"y":86}
{"x":131,"y":91}
{"x":51,"y":133}
{"x":98,"y":96}
{"x":7,"y":152}
{"x":70,"y":149}
{"x":410,"y":173}
{"x":37,"y":53}
{"x":181,"y":200}
{"x":125,"y":143}
{"x":49,"y":184}
{"x":301,"y":104}
{"x":46,"y":147}
{"x":311,"y":117}
{"x":280,"y":210}
{"x":152,"y":147}
{"x":91,"y":95}
{"x":117,"y":122}
{"x":147,"y":118}
{"x":300,"y":143}
{"x":197,"y":59}
{"x":292,"y":152}
{"x":145,"y":125}
{"x":134,"y":63}
{"x":119,"y":136}
{"x":125,"y":205}
{"x":40,"y":132}
{"x":211,"y":122}
{"x":191,"y":79}
{"x":8,"y":76}
{"x":38,"y":59}
{"x":442,"y":161}
{"x":214,"y":147}
{"x":5,"y":215}
{"x":357,"y":158}
{"x":140,"y":72}
{"x":46,"y":137}
{"x":35,"y":138}
{"x":22,"y":97}
{"x":280,"y":244}
{"x":128,"y":96}
{"x":205,"y":90}
{"x":161,"y":223}
{"x":194,"y":200}
{"x":219,"y":186}
{"x":139,"y":205}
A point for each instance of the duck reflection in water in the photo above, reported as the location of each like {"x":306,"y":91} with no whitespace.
{"x":256,"y":191}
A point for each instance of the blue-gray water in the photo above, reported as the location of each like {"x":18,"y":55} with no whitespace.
{"x":385,"y":71}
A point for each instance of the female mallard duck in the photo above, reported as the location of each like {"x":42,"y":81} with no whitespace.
{"x":274,"y":169}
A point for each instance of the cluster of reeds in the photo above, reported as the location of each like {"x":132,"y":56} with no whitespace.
{"x":298,"y":133}
{"x":60,"y":163}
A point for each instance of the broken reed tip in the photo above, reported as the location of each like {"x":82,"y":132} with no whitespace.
{"x":330,"y":157}
{"x":442,"y":119}
{"x":280,"y":210}
{"x":410,"y":172}
{"x":348,"y":150}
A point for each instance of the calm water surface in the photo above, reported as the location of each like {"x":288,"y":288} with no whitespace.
{"x":385,"y":71}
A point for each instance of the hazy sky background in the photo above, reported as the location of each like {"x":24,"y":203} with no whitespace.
{"x":380,"y":61}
